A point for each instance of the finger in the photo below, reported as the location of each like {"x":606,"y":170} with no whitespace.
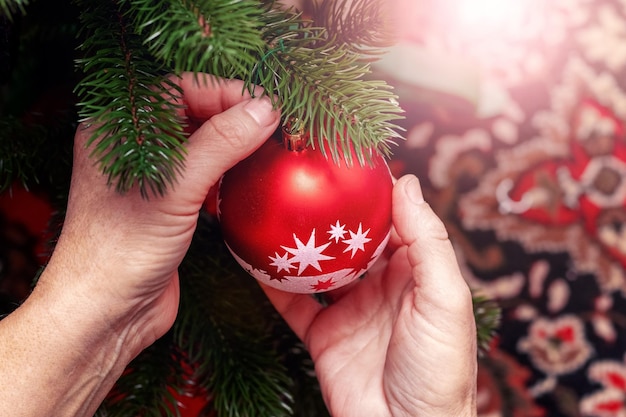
{"x":204,"y":96}
{"x":225,"y":139}
{"x":298,"y":310}
{"x":436,"y":322}
{"x":235,"y":123}
{"x":431,"y":255}
{"x":394,"y":240}
{"x":232,"y":135}
{"x":201,"y":97}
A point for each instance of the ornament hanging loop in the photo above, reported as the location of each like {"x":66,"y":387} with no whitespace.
{"x":260,"y":65}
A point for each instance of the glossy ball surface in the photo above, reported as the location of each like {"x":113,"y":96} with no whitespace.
{"x":302,"y":223}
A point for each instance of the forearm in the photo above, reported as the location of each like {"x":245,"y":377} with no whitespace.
{"x":57,"y":357}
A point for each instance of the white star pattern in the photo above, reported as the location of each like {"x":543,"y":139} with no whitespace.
{"x":282,"y":262}
{"x":288,"y":269}
{"x":337,"y":231}
{"x":308,"y":254}
{"x":338,"y":278}
{"x":357,"y":240}
{"x":259,"y":274}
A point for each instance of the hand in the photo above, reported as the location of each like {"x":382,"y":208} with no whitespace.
{"x":111,"y":286}
{"x":134,"y":246}
{"x":401,"y":342}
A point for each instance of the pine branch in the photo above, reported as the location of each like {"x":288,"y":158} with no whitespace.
{"x":224,"y":328}
{"x":330,"y":104}
{"x":138,"y":135}
{"x":148,"y":385}
{"x":18,"y":143}
{"x":322,"y":85}
{"x":32,"y":153}
{"x":318,"y":77}
{"x":37,"y":116}
{"x":307,"y":395}
{"x":215,"y":36}
{"x":487,"y":315}
{"x":360,"y":25}
{"x":10,"y":8}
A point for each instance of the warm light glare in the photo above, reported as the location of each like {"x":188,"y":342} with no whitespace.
{"x":490,"y":13}
{"x":304,"y":183}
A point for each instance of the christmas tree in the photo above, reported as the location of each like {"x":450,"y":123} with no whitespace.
{"x":108,"y":63}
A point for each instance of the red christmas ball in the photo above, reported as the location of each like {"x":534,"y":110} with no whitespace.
{"x":302,"y":223}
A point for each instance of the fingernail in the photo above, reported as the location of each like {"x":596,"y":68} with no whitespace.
{"x":413,"y":190}
{"x":261,"y":110}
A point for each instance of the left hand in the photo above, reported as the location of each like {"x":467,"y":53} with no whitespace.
{"x":111,"y":286}
{"x":130,"y":247}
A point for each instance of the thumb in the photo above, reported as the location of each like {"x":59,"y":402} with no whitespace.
{"x":430,"y":251}
{"x":227,"y":138}
{"x":435,"y":334}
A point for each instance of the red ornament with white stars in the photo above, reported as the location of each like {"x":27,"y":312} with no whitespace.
{"x":303,"y":223}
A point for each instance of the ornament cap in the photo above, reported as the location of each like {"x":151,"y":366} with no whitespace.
{"x":294,"y":137}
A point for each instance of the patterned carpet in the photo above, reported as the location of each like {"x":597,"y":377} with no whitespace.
{"x":516,"y":128}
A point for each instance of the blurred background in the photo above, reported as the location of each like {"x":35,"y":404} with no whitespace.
{"x":515,"y":124}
